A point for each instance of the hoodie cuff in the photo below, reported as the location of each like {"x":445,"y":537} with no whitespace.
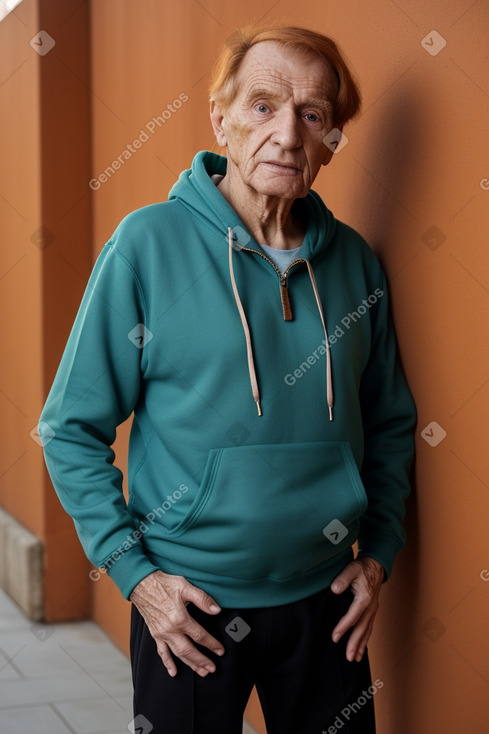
{"x":129,"y":569}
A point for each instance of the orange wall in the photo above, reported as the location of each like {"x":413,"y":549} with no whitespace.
{"x":415,"y":160}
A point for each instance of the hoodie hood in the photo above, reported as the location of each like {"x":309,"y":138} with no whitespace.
{"x":196,"y":191}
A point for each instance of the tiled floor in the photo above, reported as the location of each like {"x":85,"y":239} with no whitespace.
{"x":62,"y":679}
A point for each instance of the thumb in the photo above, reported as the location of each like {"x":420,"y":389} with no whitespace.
{"x":344,"y":579}
{"x":200,"y":598}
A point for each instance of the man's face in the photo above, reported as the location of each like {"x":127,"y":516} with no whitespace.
{"x":274,"y":128}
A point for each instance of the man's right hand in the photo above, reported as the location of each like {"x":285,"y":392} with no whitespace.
{"x":160,"y":599}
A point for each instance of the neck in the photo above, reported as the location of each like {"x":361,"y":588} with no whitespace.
{"x":268,"y":218}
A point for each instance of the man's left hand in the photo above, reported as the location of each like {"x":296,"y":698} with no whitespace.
{"x":364,"y":576}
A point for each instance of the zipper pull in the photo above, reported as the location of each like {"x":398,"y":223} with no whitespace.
{"x":284,"y":294}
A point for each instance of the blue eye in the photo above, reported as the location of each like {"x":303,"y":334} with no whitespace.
{"x":262,"y":107}
{"x":312,"y":114}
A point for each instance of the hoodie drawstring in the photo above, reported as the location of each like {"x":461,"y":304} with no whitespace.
{"x":329,"y":380}
{"x":249,"y":348}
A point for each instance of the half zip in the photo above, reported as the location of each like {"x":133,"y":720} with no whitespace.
{"x":284,"y":291}
{"x":287,"y":316}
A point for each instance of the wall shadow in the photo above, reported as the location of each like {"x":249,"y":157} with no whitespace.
{"x":394,"y":160}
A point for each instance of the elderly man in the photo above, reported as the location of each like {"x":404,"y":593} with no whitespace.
{"x":249,"y":331}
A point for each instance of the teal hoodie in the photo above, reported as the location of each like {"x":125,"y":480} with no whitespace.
{"x":187,"y":322}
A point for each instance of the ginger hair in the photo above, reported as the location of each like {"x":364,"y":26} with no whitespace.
{"x":224,"y":87}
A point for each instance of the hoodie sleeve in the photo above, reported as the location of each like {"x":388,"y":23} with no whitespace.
{"x":389,"y":418}
{"x":95,"y":389}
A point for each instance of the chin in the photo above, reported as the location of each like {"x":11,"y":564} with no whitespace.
{"x":284,"y":190}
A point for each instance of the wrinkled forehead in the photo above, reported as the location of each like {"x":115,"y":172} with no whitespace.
{"x":286,"y":71}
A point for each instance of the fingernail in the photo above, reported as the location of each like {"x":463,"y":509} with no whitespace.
{"x":214,"y":608}
{"x":210,"y":668}
{"x":220,"y":652}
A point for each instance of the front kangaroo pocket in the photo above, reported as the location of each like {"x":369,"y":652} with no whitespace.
{"x":272,"y":511}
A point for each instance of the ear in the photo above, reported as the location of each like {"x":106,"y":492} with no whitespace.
{"x":328,"y":153}
{"x":217,"y":118}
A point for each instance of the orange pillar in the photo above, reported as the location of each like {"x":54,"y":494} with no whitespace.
{"x":45,"y":217}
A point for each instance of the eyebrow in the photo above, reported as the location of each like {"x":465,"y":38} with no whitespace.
{"x":323,"y":104}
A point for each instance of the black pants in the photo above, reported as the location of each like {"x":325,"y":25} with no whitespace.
{"x":303,"y":679}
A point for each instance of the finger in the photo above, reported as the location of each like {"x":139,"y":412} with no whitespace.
{"x":344,"y":579}
{"x":359,"y":637}
{"x":202,"y":637}
{"x":183,"y":649}
{"x":355,"y":640}
{"x":184,"y":624}
{"x":165,"y":655}
{"x":354,"y":613}
{"x":177,"y":637}
{"x":363,"y":644}
{"x":200,"y":598}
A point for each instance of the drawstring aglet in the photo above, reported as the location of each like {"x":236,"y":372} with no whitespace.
{"x":258,"y":405}
{"x":330,"y":413}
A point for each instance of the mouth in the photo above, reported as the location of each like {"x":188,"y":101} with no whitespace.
{"x":288,"y":169}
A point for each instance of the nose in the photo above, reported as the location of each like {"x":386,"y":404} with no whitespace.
{"x":287,"y":133}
